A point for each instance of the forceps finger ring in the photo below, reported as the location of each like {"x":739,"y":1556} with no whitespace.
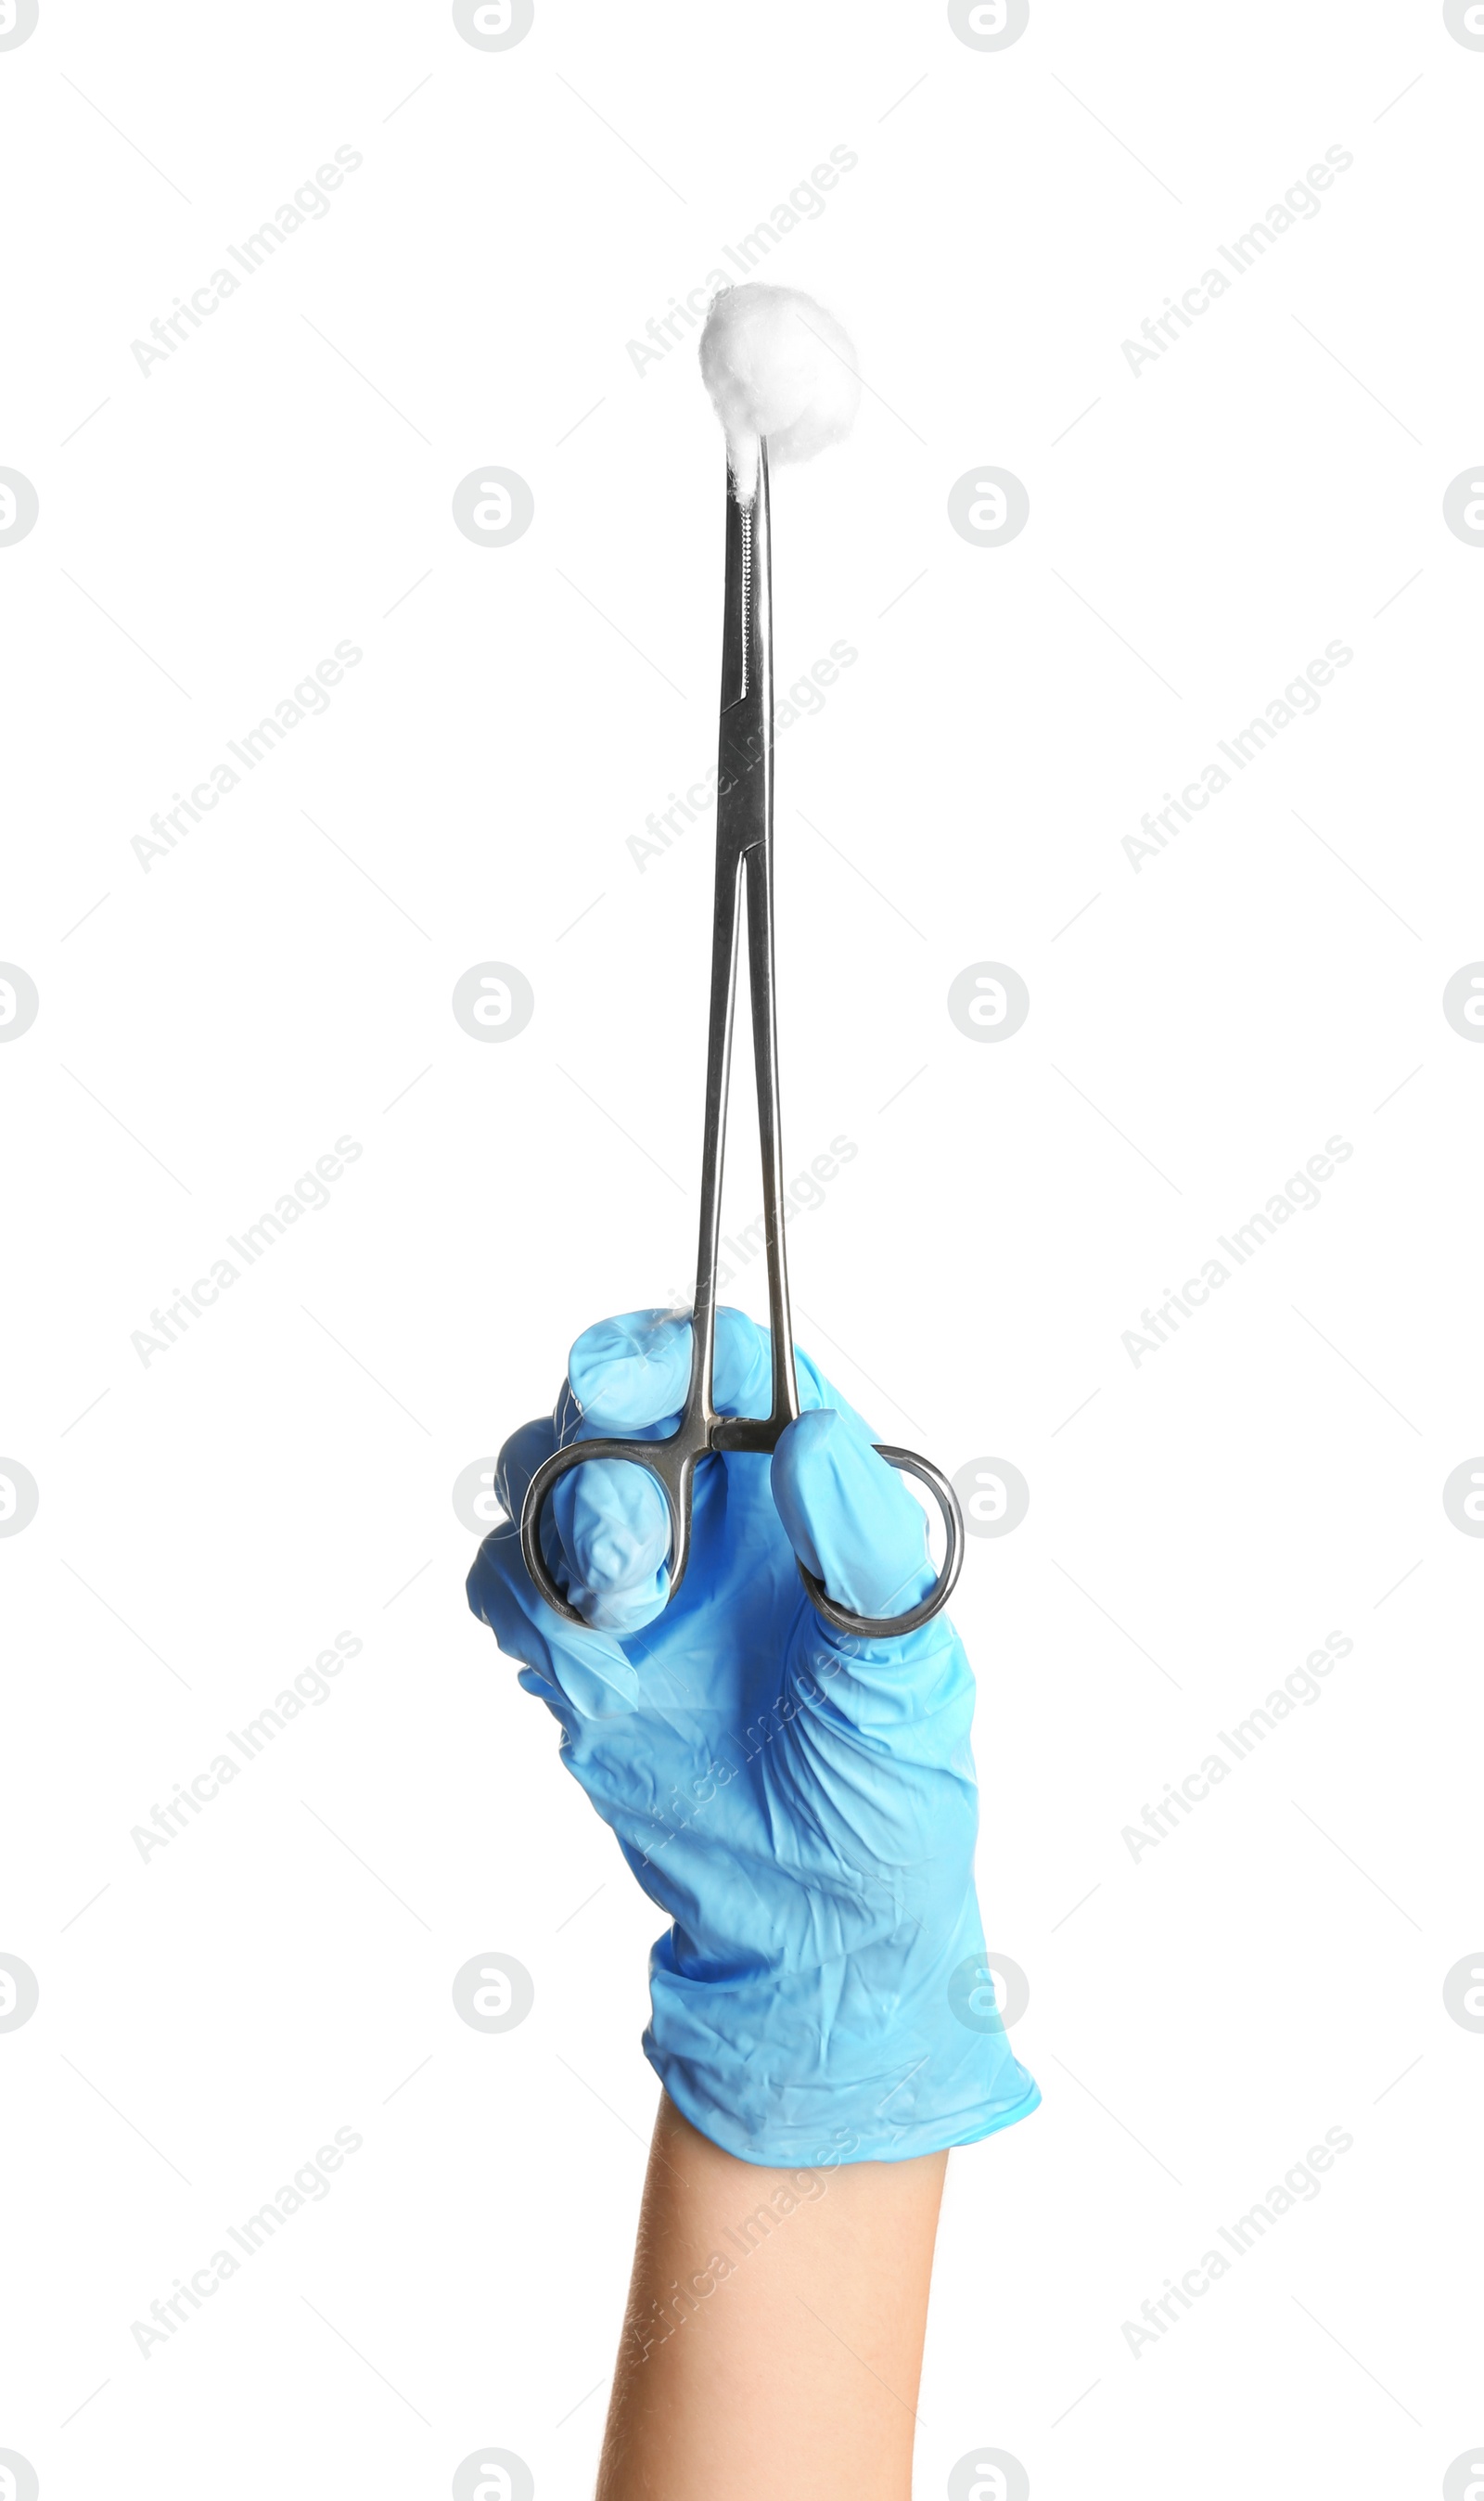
{"x":744,"y":869}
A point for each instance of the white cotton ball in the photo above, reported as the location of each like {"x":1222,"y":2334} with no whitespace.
{"x":778,"y":364}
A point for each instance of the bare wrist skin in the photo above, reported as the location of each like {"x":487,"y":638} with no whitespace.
{"x":774,"y":2334}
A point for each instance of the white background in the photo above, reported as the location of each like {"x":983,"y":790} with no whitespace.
{"x":208,"y":1027}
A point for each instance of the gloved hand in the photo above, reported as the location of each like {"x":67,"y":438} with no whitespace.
{"x":802,"y":1802}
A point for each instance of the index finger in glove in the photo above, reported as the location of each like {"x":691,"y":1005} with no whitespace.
{"x":629,"y":1376}
{"x":605,"y":1529}
{"x":626,"y":1376}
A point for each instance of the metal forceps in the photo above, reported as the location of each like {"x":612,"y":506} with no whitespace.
{"x":743,"y":861}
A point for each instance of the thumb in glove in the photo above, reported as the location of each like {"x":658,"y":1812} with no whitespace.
{"x":849,"y":1517}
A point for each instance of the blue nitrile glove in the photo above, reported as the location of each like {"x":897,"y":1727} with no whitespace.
{"x":802,"y":1802}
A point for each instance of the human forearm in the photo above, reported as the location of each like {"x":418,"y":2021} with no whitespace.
{"x":775,"y":2329}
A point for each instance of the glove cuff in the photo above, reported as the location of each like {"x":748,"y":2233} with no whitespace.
{"x":792,"y":2081}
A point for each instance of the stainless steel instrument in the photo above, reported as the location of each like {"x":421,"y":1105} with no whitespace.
{"x":743,"y":866}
